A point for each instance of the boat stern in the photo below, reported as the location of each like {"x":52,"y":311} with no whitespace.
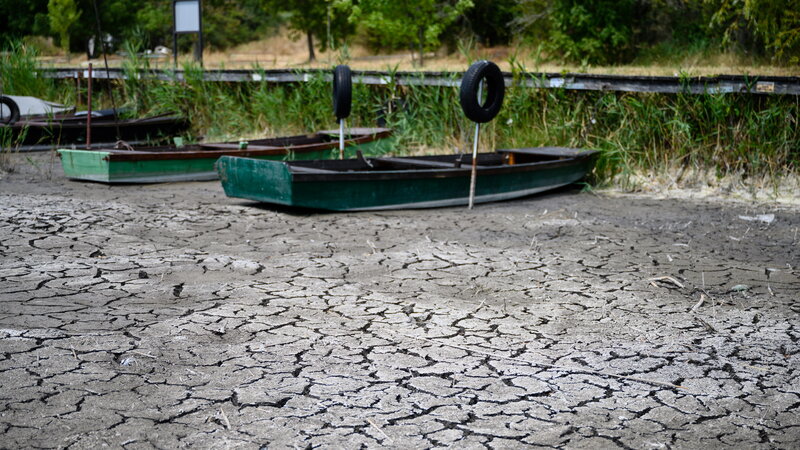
{"x":89,"y":165}
{"x":255,"y":179}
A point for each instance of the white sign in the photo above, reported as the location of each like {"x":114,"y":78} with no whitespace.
{"x":187,"y":16}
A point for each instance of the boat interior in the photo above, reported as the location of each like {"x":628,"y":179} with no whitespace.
{"x":252,"y":144}
{"x":503,"y":157}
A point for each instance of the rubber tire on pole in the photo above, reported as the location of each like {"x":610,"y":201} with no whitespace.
{"x":13,"y":107}
{"x":494,"y":87}
{"x":342,"y":91}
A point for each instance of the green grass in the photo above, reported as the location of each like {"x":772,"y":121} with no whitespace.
{"x":749,"y":135}
{"x":18,"y":72}
{"x":731,"y":133}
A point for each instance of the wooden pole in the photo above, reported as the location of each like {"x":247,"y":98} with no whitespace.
{"x":200,"y":32}
{"x":474,"y":176}
{"x":89,"y":110}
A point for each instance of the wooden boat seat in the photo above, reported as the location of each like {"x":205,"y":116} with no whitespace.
{"x":224,"y":146}
{"x":301,"y":169}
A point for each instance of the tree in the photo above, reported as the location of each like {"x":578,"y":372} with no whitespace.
{"x":20,"y":19}
{"x":764,"y":26}
{"x":417,"y":23}
{"x":148,"y":23}
{"x":590,"y":31}
{"x":594,"y":31}
{"x":63,"y":14}
{"x":489,"y":20}
{"x":327,"y":20}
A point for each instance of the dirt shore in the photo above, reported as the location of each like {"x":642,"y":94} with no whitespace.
{"x":169,"y":315}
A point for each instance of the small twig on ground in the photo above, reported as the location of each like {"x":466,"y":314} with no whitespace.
{"x":143,"y":354}
{"x":374,"y":425}
{"x":666,"y":279}
{"x":533,"y":241}
{"x":699,"y":303}
{"x":705,"y":324}
{"x":225,"y":418}
{"x":546,"y":365}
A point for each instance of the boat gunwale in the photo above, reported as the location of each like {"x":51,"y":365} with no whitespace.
{"x":301,"y":176}
{"x":98,"y":122}
{"x":115,"y":155}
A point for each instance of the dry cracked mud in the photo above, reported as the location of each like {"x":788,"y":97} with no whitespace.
{"x":171,"y":316}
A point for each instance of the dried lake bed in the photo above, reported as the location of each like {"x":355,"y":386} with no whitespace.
{"x":170,"y":315}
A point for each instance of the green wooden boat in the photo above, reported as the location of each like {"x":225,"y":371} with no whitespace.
{"x":196,"y":162}
{"x":396,"y":183}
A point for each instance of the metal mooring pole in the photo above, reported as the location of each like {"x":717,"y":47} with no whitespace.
{"x":341,"y":138}
{"x":474,"y":176}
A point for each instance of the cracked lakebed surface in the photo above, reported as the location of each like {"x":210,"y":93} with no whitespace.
{"x":169,"y":315}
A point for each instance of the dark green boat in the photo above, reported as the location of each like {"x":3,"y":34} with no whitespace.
{"x":196,"y":162}
{"x":396,"y":183}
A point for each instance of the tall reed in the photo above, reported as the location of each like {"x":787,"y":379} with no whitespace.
{"x":730,"y":133}
{"x":18,"y":73}
{"x":751,"y":135}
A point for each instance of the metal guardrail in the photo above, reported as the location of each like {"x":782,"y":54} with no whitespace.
{"x":720,"y":84}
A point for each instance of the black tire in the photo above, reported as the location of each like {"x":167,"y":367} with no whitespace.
{"x":494,"y":88}
{"x":12,"y":106}
{"x":342,"y":91}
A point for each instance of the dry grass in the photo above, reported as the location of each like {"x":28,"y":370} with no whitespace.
{"x":281,"y":52}
{"x":705,"y":184}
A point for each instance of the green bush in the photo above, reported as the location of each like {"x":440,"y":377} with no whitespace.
{"x":768,"y":27}
{"x":593,"y":31}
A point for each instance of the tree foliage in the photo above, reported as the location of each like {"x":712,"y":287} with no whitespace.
{"x":764,"y":26}
{"x":583,"y":31}
{"x":489,"y":21}
{"x":414,"y":23}
{"x":591,"y":31}
{"x":19,"y":19}
{"x":225,"y":22}
{"x":598,"y":31}
{"x":327,"y":20}
{"x":63,"y":15}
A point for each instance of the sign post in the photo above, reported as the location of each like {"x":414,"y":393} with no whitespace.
{"x":187,"y":18}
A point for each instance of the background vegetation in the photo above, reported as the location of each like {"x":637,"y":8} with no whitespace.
{"x":582,"y":31}
{"x":747,"y":135}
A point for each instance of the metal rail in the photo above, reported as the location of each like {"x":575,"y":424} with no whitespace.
{"x":720,"y":84}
